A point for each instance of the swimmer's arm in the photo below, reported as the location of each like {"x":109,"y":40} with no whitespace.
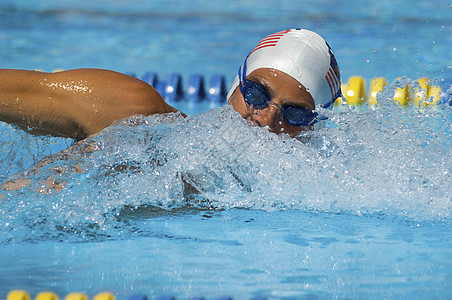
{"x":74,"y":103}
{"x":52,"y":179}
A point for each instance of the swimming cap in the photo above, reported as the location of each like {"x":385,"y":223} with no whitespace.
{"x":302,"y":54}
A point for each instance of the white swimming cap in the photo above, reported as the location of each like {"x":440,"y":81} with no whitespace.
{"x":303,"y":55}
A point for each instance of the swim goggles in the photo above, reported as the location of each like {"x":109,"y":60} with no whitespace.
{"x":256,"y":96}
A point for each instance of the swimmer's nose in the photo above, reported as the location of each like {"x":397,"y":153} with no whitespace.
{"x":268,"y":116}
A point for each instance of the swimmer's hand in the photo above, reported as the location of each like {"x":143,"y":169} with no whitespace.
{"x":51,"y":173}
{"x":75,"y":103}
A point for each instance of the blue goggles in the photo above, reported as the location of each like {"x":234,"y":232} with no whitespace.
{"x":256,"y":96}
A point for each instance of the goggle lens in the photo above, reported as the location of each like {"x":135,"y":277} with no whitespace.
{"x":298,"y":116}
{"x":255,"y":95}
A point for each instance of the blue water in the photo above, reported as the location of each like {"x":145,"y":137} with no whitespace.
{"x":210,"y":206}
{"x":370,"y":38}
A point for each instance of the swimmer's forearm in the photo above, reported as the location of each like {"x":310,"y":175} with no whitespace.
{"x":74,"y":103}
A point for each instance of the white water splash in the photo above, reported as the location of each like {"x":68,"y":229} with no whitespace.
{"x":391,"y":162}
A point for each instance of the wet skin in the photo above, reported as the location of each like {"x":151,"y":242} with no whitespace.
{"x":74,"y":103}
{"x":284,"y":90}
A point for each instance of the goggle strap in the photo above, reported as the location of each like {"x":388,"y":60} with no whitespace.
{"x":242,"y":75}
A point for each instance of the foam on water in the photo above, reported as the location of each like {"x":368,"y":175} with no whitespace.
{"x":390,"y":162}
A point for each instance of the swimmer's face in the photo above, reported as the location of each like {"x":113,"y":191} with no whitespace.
{"x":284,"y":90}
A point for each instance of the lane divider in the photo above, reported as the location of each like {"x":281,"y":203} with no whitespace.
{"x":425,"y":92}
{"x":18,"y":295}
{"x":354,"y":90}
{"x":198,"y":88}
{"x":47,"y":296}
{"x":402,"y":95}
{"x":76,"y":296}
{"x":23,"y":295}
{"x":376,"y":87}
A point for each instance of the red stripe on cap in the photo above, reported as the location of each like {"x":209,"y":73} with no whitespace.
{"x":329,"y":84}
{"x":273,"y":41}
{"x":334,"y":79}
{"x":270,"y":40}
{"x":273,"y":36}
{"x":333,"y":82}
{"x":264,"y":46}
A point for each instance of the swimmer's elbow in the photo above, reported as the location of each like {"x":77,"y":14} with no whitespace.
{"x":147,"y":101}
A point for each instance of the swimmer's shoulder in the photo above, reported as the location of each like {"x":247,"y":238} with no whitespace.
{"x":75,"y":103}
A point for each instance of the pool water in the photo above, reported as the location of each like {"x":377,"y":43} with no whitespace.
{"x":210,"y":206}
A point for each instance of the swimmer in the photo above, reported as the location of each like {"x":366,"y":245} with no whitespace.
{"x":279,"y":85}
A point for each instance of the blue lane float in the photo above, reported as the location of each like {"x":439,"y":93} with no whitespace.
{"x":197,"y":89}
{"x":173,"y":90}
{"x":150,"y":78}
{"x":217,"y":89}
